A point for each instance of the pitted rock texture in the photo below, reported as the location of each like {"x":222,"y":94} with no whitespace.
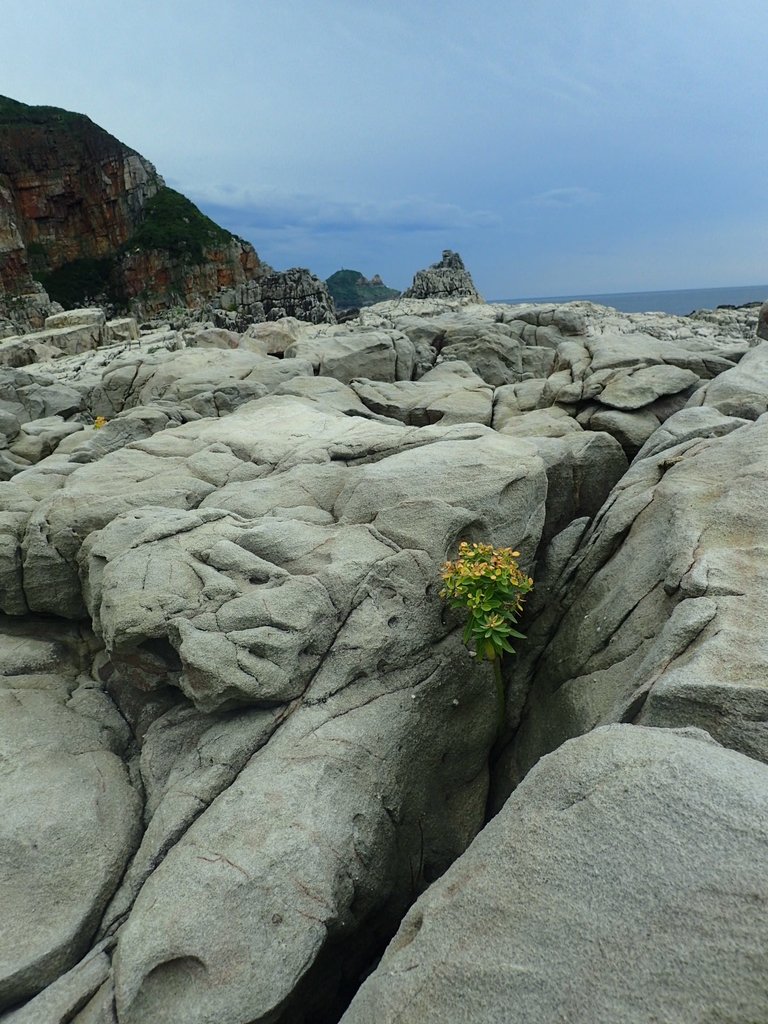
{"x":224,"y":640}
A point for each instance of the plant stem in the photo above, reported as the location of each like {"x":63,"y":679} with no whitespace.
{"x":499,"y":696}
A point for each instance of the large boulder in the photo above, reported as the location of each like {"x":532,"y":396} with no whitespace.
{"x":692,"y":422}
{"x":624,"y":881}
{"x":210,"y":380}
{"x":491,"y":350}
{"x":376,"y":355}
{"x":448,"y":393}
{"x":742,"y":391}
{"x":68,"y":333}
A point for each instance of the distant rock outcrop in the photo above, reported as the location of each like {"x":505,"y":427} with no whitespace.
{"x":447,"y":279}
{"x":351,"y":290}
{"x":297,"y":292}
{"x":90,"y":219}
{"x":762,"y":322}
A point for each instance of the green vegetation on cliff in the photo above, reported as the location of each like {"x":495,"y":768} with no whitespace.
{"x":81,"y":282}
{"x":91,"y":233}
{"x":174,"y":225}
{"x":12,"y":112}
{"x":349,"y":289}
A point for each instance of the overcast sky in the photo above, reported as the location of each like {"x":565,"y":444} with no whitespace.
{"x":560,"y":147}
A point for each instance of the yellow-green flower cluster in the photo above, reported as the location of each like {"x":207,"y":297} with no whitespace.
{"x":489,"y":584}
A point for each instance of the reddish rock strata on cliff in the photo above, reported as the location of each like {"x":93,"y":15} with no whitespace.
{"x":76,"y":190}
{"x":68,"y":191}
{"x":89,"y":218}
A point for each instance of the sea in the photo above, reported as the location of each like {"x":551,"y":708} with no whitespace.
{"x":682,"y":302}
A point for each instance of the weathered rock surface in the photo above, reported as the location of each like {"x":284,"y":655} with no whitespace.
{"x":493,"y":351}
{"x":448,"y":278}
{"x":70,"y":814}
{"x":742,"y":391}
{"x":690,"y":423}
{"x":297,"y":293}
{"x":225,"y":601}
{"x":210,"y":381}
{"x":275,"y":336}
{"x":345,"y":355}
{"x":449,"y":393}
{"x":282,"y":558}
{"x":659,"y":616}
{"x":624,"y":881}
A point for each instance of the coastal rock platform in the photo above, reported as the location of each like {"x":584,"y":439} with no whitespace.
{"x":246,"y":761}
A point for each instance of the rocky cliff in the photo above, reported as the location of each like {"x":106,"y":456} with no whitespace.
{"x":89,"y":218}
{"x":69,"y":192}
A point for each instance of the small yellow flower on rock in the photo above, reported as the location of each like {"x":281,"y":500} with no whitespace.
{"x":99,"y":422}
{"x":489,"y":584}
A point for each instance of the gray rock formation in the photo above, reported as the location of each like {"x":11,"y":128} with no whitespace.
{"x":624,"y":881}
{"x":656,"y":618}
{"x":345,"y":355}
{"x":24,"y":311}
{"x":742,"y":391}
{"x":240,"y":731}
{"x":449,"y":393}
{"x":297,"y":293}
{"x":448,"y":279}
{"x":762,"y":322}
{"x":300,"y":588}
{"x":71,"y":816}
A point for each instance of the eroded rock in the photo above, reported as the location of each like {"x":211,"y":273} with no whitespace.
{"x":665,"y":591}
{"x":70,"y":814}
{"x":249,"y":552}
{"x":591,"y":881}
{"x":448,"y":278}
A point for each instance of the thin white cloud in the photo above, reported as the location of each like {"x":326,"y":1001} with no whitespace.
{"x":571,"y":195}
{"x":271,"y":208}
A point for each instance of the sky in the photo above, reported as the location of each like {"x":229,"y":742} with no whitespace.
{"x":561,"y":148}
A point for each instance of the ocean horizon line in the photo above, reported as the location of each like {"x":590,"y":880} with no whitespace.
{"x":677,"y":301}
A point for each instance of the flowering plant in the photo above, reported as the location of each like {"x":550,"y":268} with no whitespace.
{"x":99,"y":422}
{"x":488,"y":583}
